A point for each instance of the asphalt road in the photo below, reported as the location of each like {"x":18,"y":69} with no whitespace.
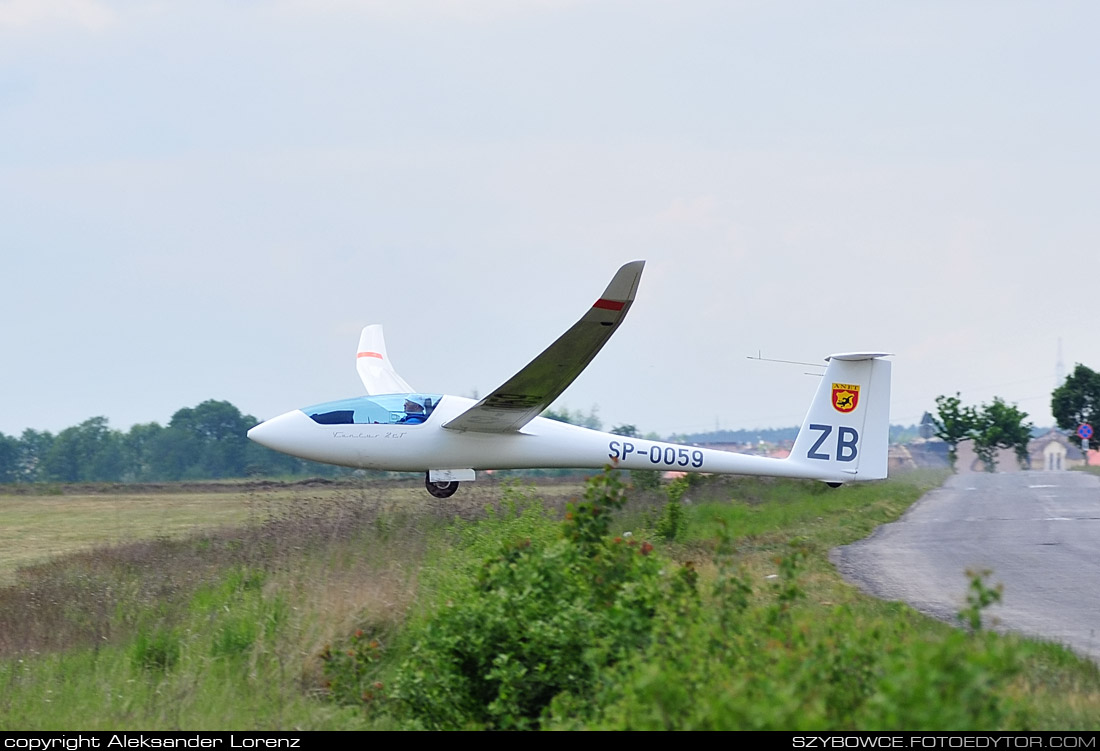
{"x":1039,"y":533}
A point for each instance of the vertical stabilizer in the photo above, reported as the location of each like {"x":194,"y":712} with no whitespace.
{"x":846,"y":433}
{"x":373,"y":364}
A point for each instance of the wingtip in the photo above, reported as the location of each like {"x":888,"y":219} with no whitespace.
{"x":624,"y":285}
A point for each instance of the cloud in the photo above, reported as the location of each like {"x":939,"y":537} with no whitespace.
{"x":20,"y":15}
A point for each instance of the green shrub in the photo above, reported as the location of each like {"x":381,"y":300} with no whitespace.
{"x":351,"y":672}
{"x":979,"y":597}
{"x":955,"y":682}
{"x":671,"y":524}
{"x":771,"y":663}
{"x":542,"y":618}
{"x":645,"y":479}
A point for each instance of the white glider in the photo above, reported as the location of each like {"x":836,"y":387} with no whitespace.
{"x":843,"y":438}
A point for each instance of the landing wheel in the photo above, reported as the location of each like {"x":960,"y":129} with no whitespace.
{"x":440,"y":489}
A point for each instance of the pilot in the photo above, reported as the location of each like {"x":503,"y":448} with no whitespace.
{"x":413,"y":407}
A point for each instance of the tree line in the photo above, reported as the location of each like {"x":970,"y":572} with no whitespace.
{"x":207,"y":441}
{"x":1074,"y":402}
{"x":991,"y":426}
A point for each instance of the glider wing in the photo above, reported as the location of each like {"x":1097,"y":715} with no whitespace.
{"x":523,"y":396}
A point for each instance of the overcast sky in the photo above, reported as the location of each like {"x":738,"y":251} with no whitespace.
{"x":208,"y":200}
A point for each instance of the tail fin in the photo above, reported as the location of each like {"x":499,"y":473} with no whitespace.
{"x":847,"y":431}
{"x":373,"y":364}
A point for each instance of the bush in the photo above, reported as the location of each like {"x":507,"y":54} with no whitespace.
{"x":351,"y":673}
{"x":542,"y":618}
{"x":645,"y":479}
{"x":568,"y":627}
{"x":765,"y":663}
{"x":671,"y":523}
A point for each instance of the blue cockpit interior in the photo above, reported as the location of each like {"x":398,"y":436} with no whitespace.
{"x":385,"y":409}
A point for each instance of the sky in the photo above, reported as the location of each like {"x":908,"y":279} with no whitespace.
{"x":209,"y":200}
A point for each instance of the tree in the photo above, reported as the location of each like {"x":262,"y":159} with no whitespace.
{"x":953,"y":422}
{"x":88,"y":452}
{"x":217,"y":432}
{"x":139,"y":450}
{"x":1000,"y":425}
{"x":591,"y":420}
{"x":9,"y":459}
{"x":33,"y":447}
{"x":174,"y":455}
{"x":1077,"y":400}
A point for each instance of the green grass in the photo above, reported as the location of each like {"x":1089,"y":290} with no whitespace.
{"x":35,"y":528}
{"x":197,"y":625}
{"x":227,"y":669}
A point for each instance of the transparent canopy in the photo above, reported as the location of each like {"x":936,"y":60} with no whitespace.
{"x":386,"y":409}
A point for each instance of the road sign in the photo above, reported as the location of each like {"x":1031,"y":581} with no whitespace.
{"x":1084,"y":430}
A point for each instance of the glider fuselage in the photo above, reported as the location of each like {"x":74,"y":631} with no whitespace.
{"x":422,"y":446}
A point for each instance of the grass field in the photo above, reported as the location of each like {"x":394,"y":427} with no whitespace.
{"x":35,"y":528}
{"x":282,"y":607}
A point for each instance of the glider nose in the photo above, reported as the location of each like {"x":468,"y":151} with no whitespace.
{"x":283,"y":433}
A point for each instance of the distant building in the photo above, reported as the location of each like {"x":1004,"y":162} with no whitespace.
{"x":1052,"y":452}
{"x":898,"y":457}
{"x":923,"y":452}
{"x":927,"y":427}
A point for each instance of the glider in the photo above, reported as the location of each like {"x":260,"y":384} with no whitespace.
{"x":395,"y":427}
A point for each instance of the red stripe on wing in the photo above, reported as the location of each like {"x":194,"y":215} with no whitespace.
{"x":609,"y":304}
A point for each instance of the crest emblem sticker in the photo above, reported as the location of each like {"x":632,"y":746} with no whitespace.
{"x":845,"y":397}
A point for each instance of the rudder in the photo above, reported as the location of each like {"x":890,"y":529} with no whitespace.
{"x":374,"y":367}
{"x":846,"y":433}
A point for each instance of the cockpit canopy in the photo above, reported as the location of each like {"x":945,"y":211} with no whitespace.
{"x":385,"y":409}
